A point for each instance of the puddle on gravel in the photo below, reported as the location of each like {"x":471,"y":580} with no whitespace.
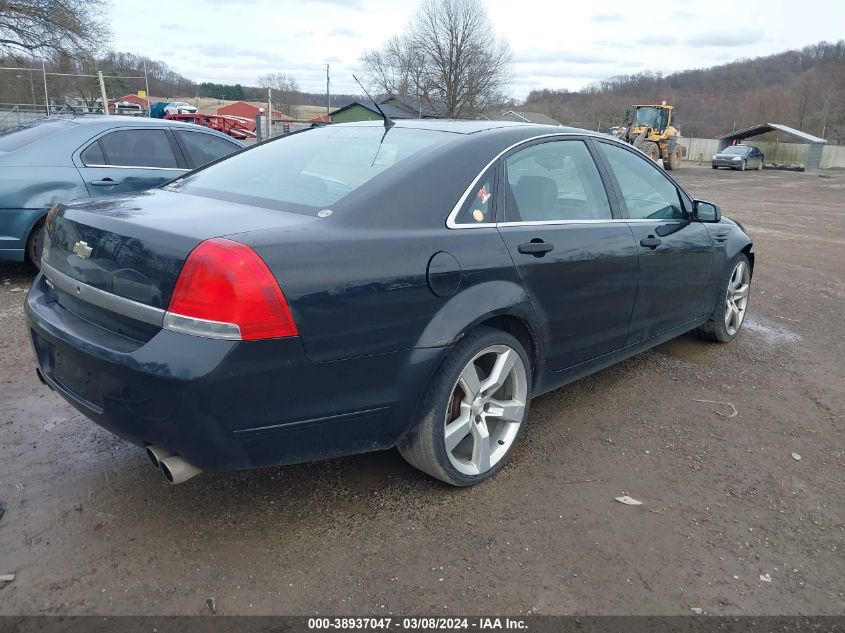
{"x":687,"y":347}
{"x":770,"y":331}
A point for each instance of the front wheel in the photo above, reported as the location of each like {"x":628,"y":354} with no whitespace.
{"x":742,"y":166}
{"x":473,"y":412}
{"x":727,"y":317}
{"x":35,"y":244}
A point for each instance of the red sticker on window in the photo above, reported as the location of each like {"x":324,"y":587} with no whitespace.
{"x":483,"y":194}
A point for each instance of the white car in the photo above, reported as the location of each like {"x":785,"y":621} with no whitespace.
{"x":179,"y":107}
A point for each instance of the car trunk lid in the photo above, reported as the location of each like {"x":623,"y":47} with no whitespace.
{"x":133,"y":247}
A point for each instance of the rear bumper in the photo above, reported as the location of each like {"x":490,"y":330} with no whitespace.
{"x":15,"y":227}
{"x":225,"y":405}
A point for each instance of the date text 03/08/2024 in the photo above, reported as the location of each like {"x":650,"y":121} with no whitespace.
{"x":416,"y":623}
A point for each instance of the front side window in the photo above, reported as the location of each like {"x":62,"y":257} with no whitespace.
{"x":648,"y":194}
{"x":204,"y":148}
{"x":554,"y":181}
{"x":138,"y":148}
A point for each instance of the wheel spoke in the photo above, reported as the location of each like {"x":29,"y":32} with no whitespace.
{"x":741,"y":292}
{"x":499,"y":374}
{"x":469,"y":381}
{"x":507,"y":410}
{"x":458,"y":429}
{"x":481,"y":447}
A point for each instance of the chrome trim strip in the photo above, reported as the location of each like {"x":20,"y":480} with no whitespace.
{"x":135,"y":167}
{"x":560,"y":222}
{"x":102,"y":299}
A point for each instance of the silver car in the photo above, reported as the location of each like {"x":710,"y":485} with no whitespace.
{"x":739,"y":157}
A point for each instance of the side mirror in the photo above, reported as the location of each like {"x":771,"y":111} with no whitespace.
{"x":705,"y":211}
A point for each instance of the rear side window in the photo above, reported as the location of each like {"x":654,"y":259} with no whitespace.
{"x":554,"y":181}
{"x":138,"y":148}
{"x":479,"y":207}
{"x":647,"y":192}
{"x":205,"y":148}
{"x":93,"y":155}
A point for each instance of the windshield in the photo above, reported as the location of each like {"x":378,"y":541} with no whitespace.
{"x":736,"y":150}
{"x":22,"y":135}
{"x":650,"y":117}
{"x":315,"y":168}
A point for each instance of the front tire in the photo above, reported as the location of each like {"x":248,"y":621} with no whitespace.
{"x":473,"y":413}
{"x":742,"y":166}
{"x":728,"y":315}
{"x":35,"y":244}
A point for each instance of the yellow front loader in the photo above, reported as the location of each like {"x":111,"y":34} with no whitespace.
{"x":649,"y":128}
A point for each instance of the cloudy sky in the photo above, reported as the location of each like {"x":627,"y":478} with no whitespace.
{"x":555,"y":44}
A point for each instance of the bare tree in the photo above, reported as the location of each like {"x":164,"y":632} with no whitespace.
{"x":52,"y":27}
{"x":284,"y":86}
{"x":448,"y":56}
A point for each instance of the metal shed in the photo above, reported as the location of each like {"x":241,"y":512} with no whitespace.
{"x":814,"y":143}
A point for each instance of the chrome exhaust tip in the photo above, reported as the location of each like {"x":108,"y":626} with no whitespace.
{"x":176,"y":470}
{"x":157,"y":454}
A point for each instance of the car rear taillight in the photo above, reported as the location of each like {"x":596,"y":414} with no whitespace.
{"x":225,"y":290}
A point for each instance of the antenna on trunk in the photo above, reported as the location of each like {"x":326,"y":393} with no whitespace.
{"x":388,"y":122}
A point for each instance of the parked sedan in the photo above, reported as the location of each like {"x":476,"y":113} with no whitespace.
{"x":739,"y":157}
{"x":179,"y":107}
{"x":61,"y":158}
{"x":358,"y":287}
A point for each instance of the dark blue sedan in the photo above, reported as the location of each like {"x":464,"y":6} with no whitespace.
{"x":61,"y":158}
{"x":358,"y":287}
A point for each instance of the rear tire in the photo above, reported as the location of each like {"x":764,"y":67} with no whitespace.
{"x":35,"y":244}
{"x":473,"y":412}
{"x":760,"y":166}
{"x":675,"y":158}
{"x":731,"y":308}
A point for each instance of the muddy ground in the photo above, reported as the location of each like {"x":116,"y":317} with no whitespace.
{"x":91,"y":527}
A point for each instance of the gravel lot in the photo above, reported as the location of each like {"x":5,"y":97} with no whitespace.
{"x":91,"y":527}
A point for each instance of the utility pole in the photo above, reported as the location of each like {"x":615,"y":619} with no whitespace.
{"x":147,"y":88}
{"x":46,"y":99}
{"x":328,"y":97}
{"x":269,"y":112}
{"x":103,"y":93}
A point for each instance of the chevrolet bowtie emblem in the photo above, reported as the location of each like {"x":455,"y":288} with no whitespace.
{"x":82,"y":249}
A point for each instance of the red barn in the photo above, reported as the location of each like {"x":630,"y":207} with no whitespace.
{"x":133,"y":99}
{"x":248,"y":110}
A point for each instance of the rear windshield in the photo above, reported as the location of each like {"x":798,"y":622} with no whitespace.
{"x":736,"y":150}
{"x":22,"y":135}
{"x":312,"y":169}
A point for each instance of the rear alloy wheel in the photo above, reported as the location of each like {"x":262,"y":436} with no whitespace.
{"x":727,"y":318}
{"x":35,"y":244}
{"x":473,"y":413}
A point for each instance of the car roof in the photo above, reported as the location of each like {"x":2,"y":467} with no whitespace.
{"x":461,"y":126}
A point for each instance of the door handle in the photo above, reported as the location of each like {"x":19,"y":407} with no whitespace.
{"x":651,"y":242}
{"x":105,"y":182}
{"x":536,"y":248}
